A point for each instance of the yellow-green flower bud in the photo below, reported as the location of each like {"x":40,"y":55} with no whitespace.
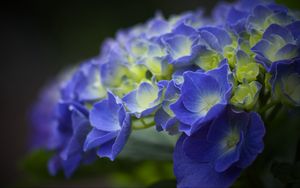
{"x":246,"y":69}
{"x":208,"y":60}
{"x":229,"y":53}
{"x":245,"y":95}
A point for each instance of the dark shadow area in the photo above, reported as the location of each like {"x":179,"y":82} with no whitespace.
{"x":40,"y":38}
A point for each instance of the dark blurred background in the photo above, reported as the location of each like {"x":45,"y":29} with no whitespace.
{"x":40,"y":38}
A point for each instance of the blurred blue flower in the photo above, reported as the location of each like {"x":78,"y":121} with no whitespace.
{"x":43,"y":113}
{"x":85,"y":85}
{"x":286,"y":81}
{"x":264,"y":15}
{"x":71,"y":130}
{"x":278,"y":43}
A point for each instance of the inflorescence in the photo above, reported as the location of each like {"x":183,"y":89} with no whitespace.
{"x":210,"y":79}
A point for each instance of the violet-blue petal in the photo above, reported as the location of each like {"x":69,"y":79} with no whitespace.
{"x":112,"y":148}
{"x":103,"y":115}
{"x":97,"y":137}
{"x":81,"y":127}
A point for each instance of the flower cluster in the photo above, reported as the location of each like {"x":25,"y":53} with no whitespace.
{"x":212,"y":80}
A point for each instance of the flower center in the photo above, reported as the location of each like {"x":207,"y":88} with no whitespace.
{"x":232,"y":140}
{"x":208,"y":102}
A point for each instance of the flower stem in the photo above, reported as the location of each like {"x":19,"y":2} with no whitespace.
{"x":267,"y":107}
{"x":143,"y":123}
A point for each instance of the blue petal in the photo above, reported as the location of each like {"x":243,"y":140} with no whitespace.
{"x":171,"y":91}
{"x":105,"y":150}
{"x":212,"y":113}
{"x":256,"y":132}
{"x":112,"y":73}
{"x":183,"y":114}
{"x":165,"y":122}
{"x":183,"y":29}
{"x":226,"y":160}
{"x":112,"y":148}
{"x":219,"y":129}
{"x":253,"y":141}
{"x":97,"y":137}
{"x":221,"y":35}
{"x":211,"y":40}
{"x":295,"y":29}
{"x":197,"y":148}
{"x":289,"y":51}
{"x":178,"y":45}
{"x":81,"y":127}
{"x":54,"y":165}
{"x":197,"y":88}
{"x":90,"y":86}
{"x":221,"y":75}
{"x":104,"y":115}
{"x":131,"y":103}
{"x":235,"y":16}
{"x":278,"y":30}
{"x":157,"y":27}
{"x":71,"y":165}
{"x":161,"y":118}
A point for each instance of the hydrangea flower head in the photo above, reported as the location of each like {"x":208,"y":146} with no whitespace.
{"x":212,"y":80}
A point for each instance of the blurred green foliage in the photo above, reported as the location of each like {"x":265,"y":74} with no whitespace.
{"x":292,"y":4}
{"x":146,"y":160}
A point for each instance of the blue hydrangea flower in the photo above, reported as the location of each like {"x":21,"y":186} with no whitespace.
{"x":144,"y":100}
{"x":190,"y":173}
{"x":113,"y":69}
{"x":215,"y":38}
{"x":278,"y":43}
{"x":265,"y":14}
{"x":215,"y":155}
{"x":194,"y":19}
{"x":42,"y":117}
{"x":182,"y":45}
{"x":111,"y":127}
{"x":85,"y":85}
{"x":164,"y":117}
{"x":286,"y":81}
{"x":203,"y":97}
{"x":235,"y":15}
{"x":236,"y":19}
{"x":42,"y":113}
{"x":157,"y":27}
{"x":71,"y":130}
{"x":215,"y":43}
